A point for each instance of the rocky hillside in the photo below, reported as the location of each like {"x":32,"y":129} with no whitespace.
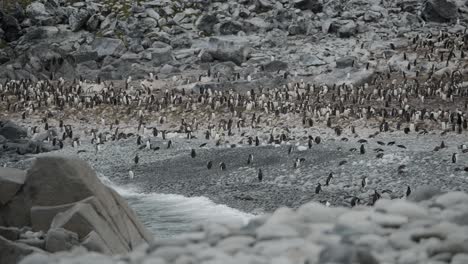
{"x":60,"y":204}
{"x":114,"y":39}
{"x":432,"y":228}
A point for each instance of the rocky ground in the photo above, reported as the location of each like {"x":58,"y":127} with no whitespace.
{"x":432,"y":228}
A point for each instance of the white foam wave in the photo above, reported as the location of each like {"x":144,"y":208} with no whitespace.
{"x":169,"y":214}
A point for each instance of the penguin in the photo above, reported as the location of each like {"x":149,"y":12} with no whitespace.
{"x":330,"y":176}
{"x":454,"y":157}
{"x":364,"y":182}
{"x":408,"y":191}
{"x":148,"y":144}
{"x":222,"y":165}
{"x":193,"y":154}
{"x":355,"y":201}
{"x":249,"y":159}
{"x":139,"y":140}
{"x":318,"y":188}
{"x":169,"y":144}
{"x":136,"y":159}
{"x":131,"y":175}
{"x":317,"y":140}
{"x":376,"y":196}
{"x":362,"y":149}
{"x":209,"y":165}
{"x":290,"y":149}
{"x":260,"y":175}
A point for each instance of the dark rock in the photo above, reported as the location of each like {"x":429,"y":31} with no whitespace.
{"x":263,"y":6}
{"x":206,"y":23}
{"x":312,"y":5}
{"x":345,"y":62}
{"x":12,"y":131}
{"x":224,"y":68}
{"x":11,"y":27}
{"x":93,"y":23}
{"x":229,"y":28}
{"x":161,"y":53}
{"x":94,"y":242}
{"x":12,"y":252}
{"x":11,"y":180}
{"x":347,"y":30}
{"x":440,"y":11}
{"x":275,"y":66}
{"x":85,"y":56}
{"x":78,"y":19}
{"x":10,"y":233}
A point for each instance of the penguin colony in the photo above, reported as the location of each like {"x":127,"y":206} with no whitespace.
{"x":414,"y":99}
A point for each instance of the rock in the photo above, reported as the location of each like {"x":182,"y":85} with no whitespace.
{"x":440,"y":11}
{"x":59,"y":239}
{"x":12,"y":131}
{"x":10,"y":233}
{"x":262,"y":6}
{"x":206,"y":23}
{"x":347,"y":30}
{"x":161,"y":53}
{"x":226,"y":69}
{"x":167,"y":69}
{"x":423,"y":193}
{"x":116,"y":223}
{"x":229,"y":50}
{"x":228,"y":28}
{"x":345,"y":62}
{"x":9,"y":24}
{"x":346,"y":254}
{"x":78,"y":19}
{"x":94,"y":242}
{"x":275,"y":66}
{"x":451,"y":199}
{"x":310,"y":60}
{"x":93,"y":23}
{"x":276,"y":231}
{"x":42,"y":216}
{"x":36,"y":9}
{"x":317,"y":213}
{"x":152,"y":13}
{"x":11,"y":180}
{"x":107,"y":47}
{"x":405,"y":208}
{"x":234,"y":244}
{"x":12,"y":253}
{"x":312,"y":5}
{"x":459,"y":259}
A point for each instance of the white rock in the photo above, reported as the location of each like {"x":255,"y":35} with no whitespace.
{"x":389,"y":220}
{"x":405,"y":208}
{"x":452,"y":198}
{"x":272,"y":231}
{"x":233,"y":244}
{"x":318,"y":213}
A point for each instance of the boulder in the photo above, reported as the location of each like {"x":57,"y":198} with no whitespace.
{"x":347,"y":30}
{"x":161,"y":53}
{"x":312,"y":5}
{"x":345,"y":62}
{"x":42,"y":216}
{"x":11,"y":27}
{"x":13,"y":253}
{"x":115,"y":222}
{"x":59,"y":239}
{"x":12,"y":131}
{"x":108,"y":47}
{"x":206,"y":23}
{"x":224,"y":68}
{"x":229,"y":28}
{"x":36,"y":9}
{"x":94,"y":242}
{"x":78,"y":19}
{"x":274,"y":66}
{"x":11,"y":181}
{"x":229,"y":50}
{"x":440,"y":11}
{"x":10,"y":233}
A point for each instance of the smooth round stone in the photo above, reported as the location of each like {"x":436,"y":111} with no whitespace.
{"x":405,"y":208}
{"x":452,"y":198}
{"x":389,"y":220}
{"x":271,"y":231}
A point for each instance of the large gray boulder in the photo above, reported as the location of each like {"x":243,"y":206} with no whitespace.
{"x":12,"y":131}
{"x":69,"y":190}
{"x":440,"y":11}
{"x":206,"y":23}
{"x":312,"y":5}
{"x":13,"y":253}
{"x":11,"y":181}
{"x":107,"y":47}
{"x":59,"y":239}
{"x":78,"y":18}
{"x":229,"y":50}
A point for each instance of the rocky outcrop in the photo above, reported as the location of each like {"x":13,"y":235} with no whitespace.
{"x":392,"y":231}
{"x":63,"y":205}
{"x":440,"y":11}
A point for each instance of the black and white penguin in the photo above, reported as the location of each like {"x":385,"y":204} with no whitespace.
{"x":376,"y":196}
{"x":330,"y":176}
{"x":364,"y":182}
{"x":136,"y":159}
{"x":362,"y":149}
{"x":222,"y":165}
{"x":139,"y":140}
{"x":408,"y":191}
{"x":250,"y":159}
{"x":209,"y":165}
{"x":131,"y":175}
{"x":193,"y":154}
{"x":169,"y":144}
{"x":454,"y":157}
{"x":355,"y":201}
{"x":290,"y":149}
{"x":260,"y":175}
{"x":318,"y":188}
